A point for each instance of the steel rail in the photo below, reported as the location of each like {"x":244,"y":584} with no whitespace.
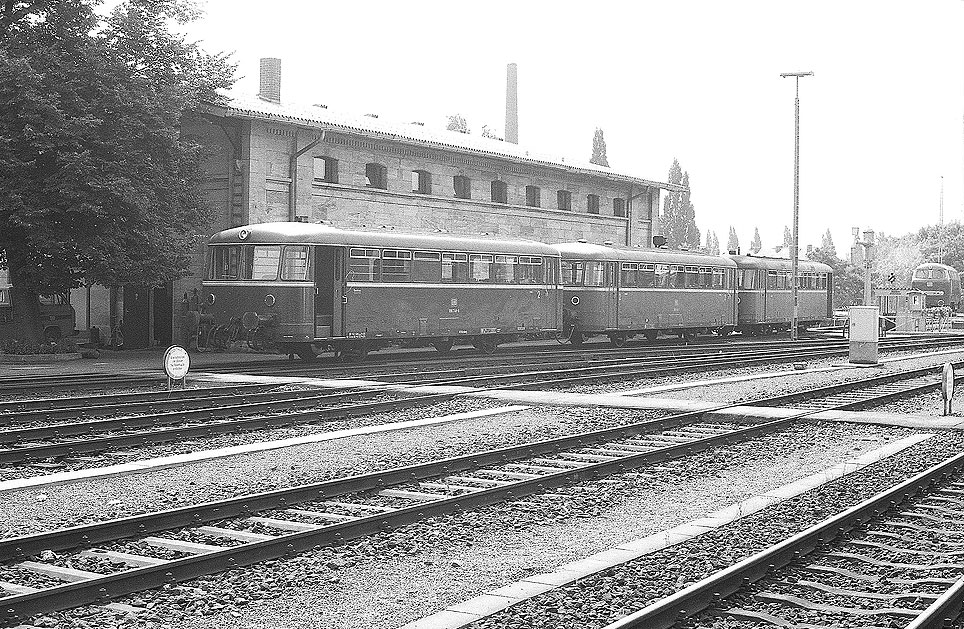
{"x":667,"y":612}
{"x":137,"y":579}
{"x":941,"y":613}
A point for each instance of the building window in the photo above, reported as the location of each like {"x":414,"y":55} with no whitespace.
{"x":326,"y":169}
{"x":500,"y":192}
{"x":376,"y":176}
{"x":564,"y":199}
{"x":533,"y":196}
{"x":422,"y":182}
{"x":592,"y":204}
{"x":619,"y":207}
{"x":463,"y":187}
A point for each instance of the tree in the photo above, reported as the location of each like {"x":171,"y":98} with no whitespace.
{"x":679,"y":215}
{"x":457,"y":123}
{"x":787,"y":237}
{"x":848,"y":281}
{"x":96,"y":180}
{"x":599,"y":149}
{"x":489,"y":132}
{"x":826,"y":244}
{"x":712,"y":243}
{"x":732,"y":243}
{"x":756,"y":244}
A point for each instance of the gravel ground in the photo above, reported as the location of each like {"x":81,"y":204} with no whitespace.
{"x":765,"y":387}
{"x":117,"y":496}
{"x":390,"y":578}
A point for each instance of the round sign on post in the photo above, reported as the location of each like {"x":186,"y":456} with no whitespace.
{"x":947,"y":387}
{"x":177,"y":363}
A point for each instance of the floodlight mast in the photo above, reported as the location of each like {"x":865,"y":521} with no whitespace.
{"x":795,"y":247}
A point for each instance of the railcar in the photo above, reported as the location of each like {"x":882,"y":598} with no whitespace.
{"x":941,"y":284}
{"x":621,"y":292}
{"x":764,"y":294}
{"x":306,"y":288}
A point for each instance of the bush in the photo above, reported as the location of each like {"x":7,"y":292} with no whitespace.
{"x":21,"y":347}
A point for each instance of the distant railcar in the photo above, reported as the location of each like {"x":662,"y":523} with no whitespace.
{"x":764,"y":292}
{"x":941,"y":284}
{"x":621,"y":292}
{"x":307,"y":288}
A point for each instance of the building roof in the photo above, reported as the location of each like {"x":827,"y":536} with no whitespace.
{"x":779,"y":264}
{"x":252,"y":107}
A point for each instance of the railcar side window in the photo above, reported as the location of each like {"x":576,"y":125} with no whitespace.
{"x":455,"y":267}
{"x":261,"y":262}
{"x":480,"y":267}
{"x":294,"y":263}
{"x":692,"y":277}
{"x":628,"y":274}
{"x":747,"y":279}
{"x":595,"y":274}
{"x":718,"y":275}
{"x":572,"y":273}
{"x":646,"y":276}
{"x":225,"y":262}
{"x":771,"y":279}
{"x":529,"y":270}
{"x":504,"y":269}
{"x":662,"y":276}
{"x":706,"y":277}
{"x":427,"y":267}
{"x":396,"y":265}
{"x":363,"y":265}
{"x":677,"y":275}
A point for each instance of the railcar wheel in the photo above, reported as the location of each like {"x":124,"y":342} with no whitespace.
{"x":486,"y":346}
{"x":443,"y":347}
{"x":307,"y":354}
{"x":618,"y":340}
{"x":576,"y":337}
{"x":651,"y":335}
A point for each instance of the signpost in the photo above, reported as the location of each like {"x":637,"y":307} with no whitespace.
{"x":177,"y":363}
{"x":947,"y":387}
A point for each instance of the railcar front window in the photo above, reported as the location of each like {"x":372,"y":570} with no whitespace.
{"x":572,"y":273}
{"x":261,"y":262}
{"x":294,"y":264}
{"x":363,"y":265}
{"x":455,"y":268}
{"x":225,"y":262}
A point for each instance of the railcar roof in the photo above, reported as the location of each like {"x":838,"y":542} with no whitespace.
{"x":314,"y":234}
{"x":589,"y":251}
{"x":935,"y":265}
{"x":779,"y":264}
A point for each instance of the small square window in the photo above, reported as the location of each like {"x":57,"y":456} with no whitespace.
{"x":326,"y":169}
{"x":592,"y":204}
{"x":533,"y":196}
{"x":463,"y":187}
{"x":500,"y":192}
{"x":564,"y":199}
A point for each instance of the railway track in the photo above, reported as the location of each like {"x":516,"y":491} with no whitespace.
{"x":894,"y":560}
{"x":145,"y":551}
{"x":144,"y":419}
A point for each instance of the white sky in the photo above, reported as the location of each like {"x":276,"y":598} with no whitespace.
{"x":699,"y":80}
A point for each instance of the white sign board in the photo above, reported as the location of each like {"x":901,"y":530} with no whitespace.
{"x":176,"y":362}
{"x":947,"y":387}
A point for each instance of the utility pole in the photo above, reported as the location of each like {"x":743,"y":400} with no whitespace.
{"x":940,"y":227}
{"x":795,"y":247}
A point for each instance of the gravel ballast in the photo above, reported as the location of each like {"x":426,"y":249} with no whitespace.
{"x":391,"y":578}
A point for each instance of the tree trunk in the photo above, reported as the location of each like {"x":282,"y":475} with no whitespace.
{"x":26,"y":302}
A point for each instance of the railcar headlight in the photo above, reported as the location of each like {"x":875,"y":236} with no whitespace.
{"x":575,"y":300}
{"x":211,"y":299}
{"x":269,"y":300}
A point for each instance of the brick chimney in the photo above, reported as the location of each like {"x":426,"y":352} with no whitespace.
{"x":512,"y":104}
{"x":270,"y":80}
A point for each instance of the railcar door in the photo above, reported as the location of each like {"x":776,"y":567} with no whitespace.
{"x":612,"y":296}
{"x":329,"y":289}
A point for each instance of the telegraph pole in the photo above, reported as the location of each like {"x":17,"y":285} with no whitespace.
{"x":795,"y":248}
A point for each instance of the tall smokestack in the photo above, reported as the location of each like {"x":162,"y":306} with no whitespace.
{"x":512,"y":104}
{"x":270,"y":79}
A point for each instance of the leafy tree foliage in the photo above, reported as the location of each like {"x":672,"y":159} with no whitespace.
{"x":787,"y":237}
{"x":848,"y":280}
{"x":712,"y":243}
{"x":733,"y":242}
{"x":489,"y":132}
{"x":96,"y":180}
{"x":678,"y":222}
{"x":599,"y":149}
{"x":826,"y":244}
{"x":457,"y":123}
{"x":756,"y":244}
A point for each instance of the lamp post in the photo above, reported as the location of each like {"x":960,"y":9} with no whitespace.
{"x":795,"y":248}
